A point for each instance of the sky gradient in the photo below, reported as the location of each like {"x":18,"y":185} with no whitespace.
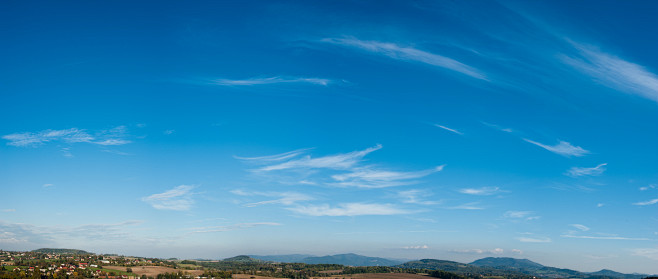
{"x":453,"y":130}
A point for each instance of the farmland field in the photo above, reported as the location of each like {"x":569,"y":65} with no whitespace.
{"x":153,"y":271}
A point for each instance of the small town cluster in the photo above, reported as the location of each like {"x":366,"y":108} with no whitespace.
{"x":51,"y":263}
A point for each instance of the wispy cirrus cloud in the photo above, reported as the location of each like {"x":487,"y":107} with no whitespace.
{"x":495,"y":251}
{"x":604,"y":237}
{"x":520,"y":215}
{"x":416,"y":197}
{"x":534,"y":239}
{"x":614,"y":72}
{"x":580,"y":227}
{"x":114,"y":136}
{"x":468,"y":206}
{"x":350,"y":209}
{"x":351,"y":171}
{"x":649,"y":202}
{"x":417,"y":247}
{"x":651,"y":253}
{"x":449,"y":129}
{"x":234,"y":227}
{"x":271,"y":80}
{"x":338,"y":161}
{"x":409,"y":54}
{"x":276,"y":157}
{"x":179,"y":198}
{"x":369,"y":177}
{"x":652,"y":186}
{"x":285,"y":198}
{"x":594,"y":171}
{"x":484,"y":191}
{"x":563,"y":148}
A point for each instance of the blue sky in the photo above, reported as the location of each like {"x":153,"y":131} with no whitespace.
{"x":414,"y":129}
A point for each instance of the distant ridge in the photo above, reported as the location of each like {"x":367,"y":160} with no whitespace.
{"x":242,"y":259}
{"x":290,"y":258}
{"x":507,"y":262}
{"x":61,"y":251}
{"x":351,"y":260}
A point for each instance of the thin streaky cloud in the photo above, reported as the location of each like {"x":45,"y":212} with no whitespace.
{"x":604,"y":237}
{"x":468,"y":206}
{"x":179,"y":198}
{"x":534,"y":239}
{"x":563,"y":148}
{"x":271,"y":80}
{"x":580,"y":227}
{"x":349,"y":209}
{"x":449,"y":129}
{"x":285,"y":198}
{"x":594,"y":171}
{"x":484,"y":191}
{"x":408,"y":54}
{"x":339,"y":161}
{"x":613,"y":71}
{"x":415,"y":197}
{"x":276,"y":157}
{"x":651,"y":202}
{"x":114,"y":136}
{"x":240,"y":226}
{"x":369,"y":177}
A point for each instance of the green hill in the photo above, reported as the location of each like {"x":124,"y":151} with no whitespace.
{"x":61,"y":251}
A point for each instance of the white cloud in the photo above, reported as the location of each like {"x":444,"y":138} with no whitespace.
{"x":449,"y":129}
{"x":563,"y":148}
{"x":179,"y":198}
{"x":651,"y":253}
{"x":600,"y":205}
{"x":534,"y":239}
{"x":113,"y":142}
{"x":48,"y":185}
{"x":652,"y":186}
{"x":419,"y":247}
{"x":285,"y":198}
{"x":169,"y":132}
{"x":603,"y":237}
{"x":614,"y":72}
{"x":484,"y":191}
{"x":349,"y":209}
{"x":240,"y":226}
{"x":368,"y":177}
{"x":9,"y":210}
{"x":72,"y":135}
{"x":276,"y":157}
{"x":339,"y":161}
{"x":413,"y":197}
{"x":520,"y":215}
{"x":577,"y":171}
{"x":580,"y":227}
{"x":271,"y":80}
{"x":114,"y":136}
{"x":651,"y":202}
{"x":495,"y":251}
{"x":468,"y":206}
{"x":408,"y":54}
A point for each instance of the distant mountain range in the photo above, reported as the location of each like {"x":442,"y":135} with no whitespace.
{"x":487,"y":266}
{"x":343,"y":259}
